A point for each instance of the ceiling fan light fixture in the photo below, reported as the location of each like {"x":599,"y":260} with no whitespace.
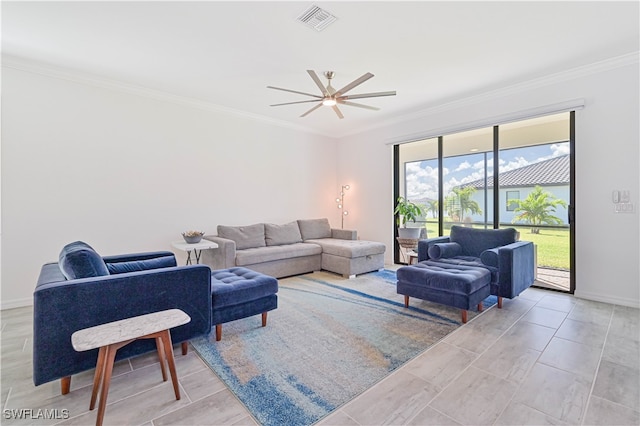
{"x":330,"y":97}
{"x":329,"y":102}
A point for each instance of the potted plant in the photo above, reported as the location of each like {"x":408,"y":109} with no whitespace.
{"x":407,"y":211}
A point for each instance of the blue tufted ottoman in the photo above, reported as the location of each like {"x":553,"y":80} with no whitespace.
{"x":459,"y":286}
{"x":240,"y":293}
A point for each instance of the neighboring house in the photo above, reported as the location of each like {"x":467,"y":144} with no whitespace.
{"x":552,"y":175}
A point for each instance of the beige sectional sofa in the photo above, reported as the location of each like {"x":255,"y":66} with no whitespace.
{"x":293,"y":248}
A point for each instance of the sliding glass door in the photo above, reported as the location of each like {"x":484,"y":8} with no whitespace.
{"x":467,"y":164}
{"x":510,"y":175}
{"x":535,"y":195}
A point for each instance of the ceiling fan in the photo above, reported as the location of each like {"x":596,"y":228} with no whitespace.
{"x":332,"y":97}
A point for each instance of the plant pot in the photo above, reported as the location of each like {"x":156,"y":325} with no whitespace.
{"x":409,"y":233}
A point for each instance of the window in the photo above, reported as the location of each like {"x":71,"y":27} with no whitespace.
{"x":512,"y":197}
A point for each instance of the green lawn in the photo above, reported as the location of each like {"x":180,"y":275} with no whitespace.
{"x":552,"y":243}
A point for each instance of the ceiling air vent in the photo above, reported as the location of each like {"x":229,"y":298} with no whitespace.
{"x":316,"y":18}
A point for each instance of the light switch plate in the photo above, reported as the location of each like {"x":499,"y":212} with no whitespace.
{"x":623,"y":208}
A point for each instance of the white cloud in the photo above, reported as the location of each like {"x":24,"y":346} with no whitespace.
{"x":559,"y":149}
{"x":463,"y":166}
{"x":421,"y":182}
{"x":516,"y":163}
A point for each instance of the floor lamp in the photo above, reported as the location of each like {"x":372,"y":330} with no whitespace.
{"x":340,"y":202}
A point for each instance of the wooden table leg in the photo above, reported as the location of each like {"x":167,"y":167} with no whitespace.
{"x":161,"y":358}
{"x":168,"y":350}
{"x":110,"y":356}
{"x":97,"y":377}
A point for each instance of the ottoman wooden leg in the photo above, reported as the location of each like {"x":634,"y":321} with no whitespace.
{"x":264,"y":319}
{"x":185,"y":348}
{"x":480,"y":307}
{"x":464,"y":316}
{"x":499,"y":302}
{"x":406,"y":301}
{"x":218,"y":332}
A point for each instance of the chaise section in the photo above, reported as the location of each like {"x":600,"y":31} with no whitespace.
{"x":350,"y":257}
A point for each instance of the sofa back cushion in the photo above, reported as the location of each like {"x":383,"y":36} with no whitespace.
{"x":244,"y":236}
{"x":475,"y":241}
{"x":79,"y":260}
{"x":277,"y":235}
{"x":312,"y":229}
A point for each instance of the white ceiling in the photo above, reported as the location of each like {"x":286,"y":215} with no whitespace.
{"x":226,"y":53}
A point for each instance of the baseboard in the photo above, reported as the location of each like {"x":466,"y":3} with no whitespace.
{"x":597,"y":297}
{"x":16,"y":303}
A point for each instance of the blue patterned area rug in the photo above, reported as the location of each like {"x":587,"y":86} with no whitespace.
{"x":329,"y":340}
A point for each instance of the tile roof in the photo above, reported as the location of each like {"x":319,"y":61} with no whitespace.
{"x":554,"y":171}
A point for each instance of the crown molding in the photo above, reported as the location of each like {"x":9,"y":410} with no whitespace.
{"x":109,"y":84}
{"x":536,"y":83}
{"x":74,"y":76}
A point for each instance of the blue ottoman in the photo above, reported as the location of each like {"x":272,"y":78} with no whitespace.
{"x":240,"y":293}
{"x":458,"y":286}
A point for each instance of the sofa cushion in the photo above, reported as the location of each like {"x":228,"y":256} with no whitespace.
{"x":350,"y":249}
{"x":314,"y":228}
{"x":469,"y":261}
{"x":444,"y":250}
{"x":268,"y":254}
{"x":141,"y":265}
{"x":79,"y":260}
{"x":277,"y":235}
{"x":244,"y":236}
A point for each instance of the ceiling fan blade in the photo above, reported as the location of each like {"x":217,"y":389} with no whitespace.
{"x":354,"y":83}
{"x":294,"y":91}
{"x":316,"y":79}
{"x":358,"y":105}
{"x":297,"y":102}
{"x":311,"y":110}
{"x":369,"y":95}
{"x":338,"y":112}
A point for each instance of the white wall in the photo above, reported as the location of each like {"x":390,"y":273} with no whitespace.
{"x":607,"y":158}
{"x":129,"y":173}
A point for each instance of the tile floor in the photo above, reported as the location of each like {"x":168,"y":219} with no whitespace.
{"x":545,"y":358}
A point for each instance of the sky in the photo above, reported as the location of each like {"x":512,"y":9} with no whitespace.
{"x":422,"y":176}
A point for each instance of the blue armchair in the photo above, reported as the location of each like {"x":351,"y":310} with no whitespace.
{"x":84,"y":289}
{"x":510,"y":262}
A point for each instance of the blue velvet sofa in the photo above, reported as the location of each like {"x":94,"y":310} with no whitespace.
{"x":510,"y":262}
{"x":84,"y":289}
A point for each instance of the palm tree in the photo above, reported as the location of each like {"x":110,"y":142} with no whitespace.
{"x":463,"y":195}
{"x":536,"y":209}
{"x":432,"y":206}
